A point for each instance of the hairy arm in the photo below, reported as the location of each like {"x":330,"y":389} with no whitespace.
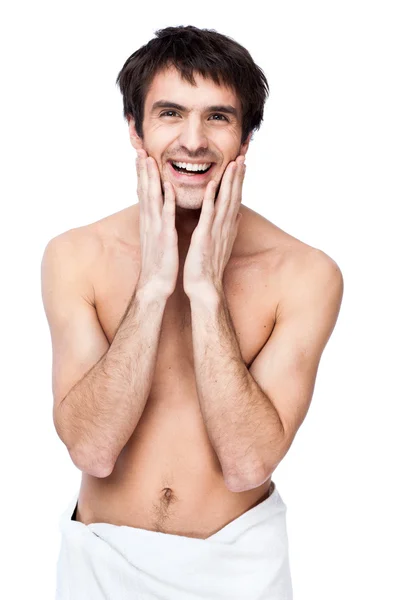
{"x":100,"y":390}
{"x":252,"y":415}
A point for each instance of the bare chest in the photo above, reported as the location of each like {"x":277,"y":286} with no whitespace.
{"x":169,"y":450}
{"x":171,"y":442}
{"x":251,"y":290}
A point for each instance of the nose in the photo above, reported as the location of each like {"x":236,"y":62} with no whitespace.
{"x":192,"y":135}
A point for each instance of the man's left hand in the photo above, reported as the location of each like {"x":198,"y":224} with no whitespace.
{"x":212,"y":240}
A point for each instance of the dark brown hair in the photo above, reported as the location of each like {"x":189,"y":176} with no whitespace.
{"x":192,"y":50}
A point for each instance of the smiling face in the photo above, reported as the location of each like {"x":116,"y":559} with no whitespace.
{"x":187,"y":124}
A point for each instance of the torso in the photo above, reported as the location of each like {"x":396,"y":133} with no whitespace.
{"x":168,"y":477}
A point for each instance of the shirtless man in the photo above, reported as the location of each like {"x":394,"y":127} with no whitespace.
{"x":186,"y":342}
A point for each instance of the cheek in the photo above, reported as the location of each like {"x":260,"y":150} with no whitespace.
{"x":229,"y":137}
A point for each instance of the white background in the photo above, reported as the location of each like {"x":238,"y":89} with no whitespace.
{"x":323,"y":167}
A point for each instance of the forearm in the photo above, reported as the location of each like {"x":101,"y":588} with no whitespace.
{"x":243,"y":425}
{"x":100,"y":413}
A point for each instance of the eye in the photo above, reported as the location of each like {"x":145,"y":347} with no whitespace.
{"x":167,"y":111}
{"x":219,"y":115}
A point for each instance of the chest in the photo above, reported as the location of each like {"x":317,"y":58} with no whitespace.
{"x":251,"y":289}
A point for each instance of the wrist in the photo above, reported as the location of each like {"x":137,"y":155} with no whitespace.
{"x":151,"y":293}
{"x":205,"y":293}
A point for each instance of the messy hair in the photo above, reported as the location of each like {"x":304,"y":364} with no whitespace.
{"x":201,"y":51}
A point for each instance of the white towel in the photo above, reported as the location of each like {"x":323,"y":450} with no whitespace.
{"x":247,"y":559}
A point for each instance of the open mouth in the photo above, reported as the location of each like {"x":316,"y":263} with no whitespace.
{"x":197,"y":174}
{"x":190,"y":172}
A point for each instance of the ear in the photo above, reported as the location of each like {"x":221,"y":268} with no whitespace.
{"x":136,"y":141}
{"x":245,"y":146}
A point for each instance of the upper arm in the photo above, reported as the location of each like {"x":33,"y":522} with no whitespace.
{"x":286,"y":367}
{"x":78,"y":340}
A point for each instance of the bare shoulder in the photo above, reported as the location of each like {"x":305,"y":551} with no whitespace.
{"x":263,"y":237}
{"x":117,"y":228}
{"x":293,"y":263}
{"x":75,"y":252}
{"x":89,"y":252}
{"x":312,"y":279}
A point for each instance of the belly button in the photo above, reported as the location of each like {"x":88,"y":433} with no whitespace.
{"x":167,"y":493}
{"x":168,"y":496}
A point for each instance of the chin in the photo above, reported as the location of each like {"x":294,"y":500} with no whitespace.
{"x":190,"y":201}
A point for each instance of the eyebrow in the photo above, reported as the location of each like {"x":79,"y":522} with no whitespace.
{"x":224,"y":108}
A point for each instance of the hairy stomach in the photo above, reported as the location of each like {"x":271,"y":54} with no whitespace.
{"x":167,"y":478}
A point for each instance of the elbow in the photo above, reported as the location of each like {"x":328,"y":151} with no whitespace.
{"x":87,"y":464}
{"x":239,"y":485}
{"x":100,"y":471}
{"x":241,"y":478}
{"x":84,"y":460}
{"x":244,"y":480}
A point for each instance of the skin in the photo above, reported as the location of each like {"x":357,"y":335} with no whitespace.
{"x":198,"y":135}
{"x":168,"y":476}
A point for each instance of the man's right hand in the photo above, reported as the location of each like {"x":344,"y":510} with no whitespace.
{"x":158,"y":235}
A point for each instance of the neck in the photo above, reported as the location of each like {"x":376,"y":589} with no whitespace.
{"x":186,"y":221}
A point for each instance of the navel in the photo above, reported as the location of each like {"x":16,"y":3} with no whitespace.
{"x":168,"y":494}
{"x":168,"y":497}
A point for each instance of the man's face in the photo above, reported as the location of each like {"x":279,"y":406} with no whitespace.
{"x":194,"y":134}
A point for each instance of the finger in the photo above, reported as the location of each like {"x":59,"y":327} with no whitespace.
{"x":168,"y":213}
{"x":142,"y":153}
{"x":142,"y":183}
{"x":142,"y":175}
{"x":224,"y":194}
{"x":154,"y":192}
{"x":237,"y":223}
{"x":208,"y":207}
{"x":236,"y":192}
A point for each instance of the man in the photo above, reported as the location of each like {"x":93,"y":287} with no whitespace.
{"x":186,"y":344}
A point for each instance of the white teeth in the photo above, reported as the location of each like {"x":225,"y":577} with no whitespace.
{"x":191,"y":167}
